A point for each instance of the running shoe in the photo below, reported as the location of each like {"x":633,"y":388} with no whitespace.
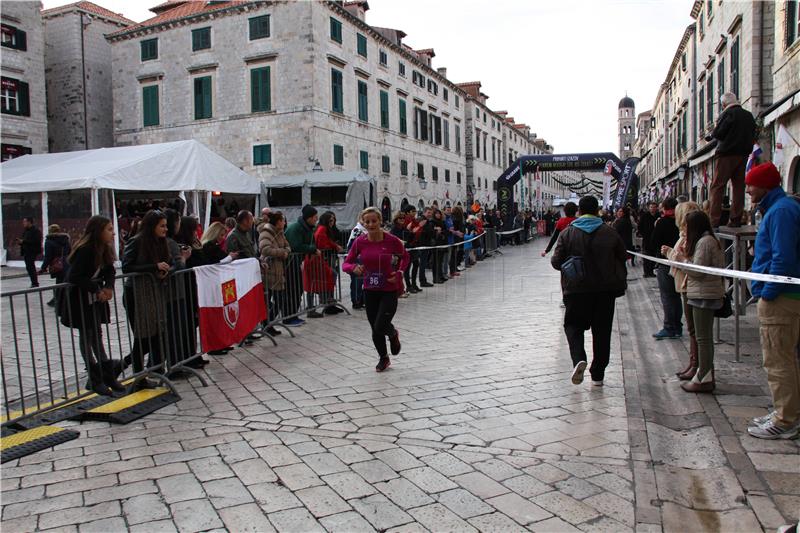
{"x":394,"y":342}
{"x":383,"y":364}
{"x":577,"y":373}
{"x":597,"y":383}
{"x":771,"y":431}
{"x":761,"y":420}
{"x":314,"y":314}
{"x":294,"y":322}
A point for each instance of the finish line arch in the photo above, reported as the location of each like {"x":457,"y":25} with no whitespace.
{"x":623,"y":172}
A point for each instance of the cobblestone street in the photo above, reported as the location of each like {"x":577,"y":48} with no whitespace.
{"x":476,"y":426}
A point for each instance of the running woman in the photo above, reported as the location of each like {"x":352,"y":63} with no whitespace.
{"x":380,"y":258}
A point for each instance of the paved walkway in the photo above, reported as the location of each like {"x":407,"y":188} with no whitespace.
{"x":475,"y":427}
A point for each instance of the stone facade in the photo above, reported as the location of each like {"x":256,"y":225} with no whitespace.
{"x":78,"y":74}
{"x":626,"y":126}
{"x":24,"y":120}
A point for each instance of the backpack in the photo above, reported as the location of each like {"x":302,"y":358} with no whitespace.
{"x":574,"y":268}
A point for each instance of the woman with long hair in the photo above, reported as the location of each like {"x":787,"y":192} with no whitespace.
{"x":381,"y":259}
{"x":213,"y":241}
{"x":85,"y":305}
{"x":326,"y":239}
{"x":622,"y":224}
{"x":274,"y":250}
{"x":705,"y":293}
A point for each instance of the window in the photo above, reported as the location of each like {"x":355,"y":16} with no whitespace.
{"x":701,"y":122}
{"x":484,"y":146}
{"x":445,"y":94}
{"x":402,"y":111}
{"x":383,"y":58}
{"x":202,"y":97}
{"x":477,"y":143}
{"x":201,"y":39}
{"x":433,"y":87}
{"x":260,"y":97}
{"x":403,"y":167}
{"x":329,"y":195}
{"x":13,"y":38}
{"x":149,"y":49}
{"x":494,"y":157}
{"x":458,"y":139}
{"x":457,"y":100}
{"x":435,"y":124}
{"x":447,"y":175}
{"x":702,"y":25}
{"x":285,"y":196}
{"x":434,"y":174}
{"x":336,"y":30}
{"x":386,"y":164}
{"x":420,"y":124}
{"x":150,"y":106}
{"x":361,"y":44}
{"x":262,"y":154}
{"x":709,"y":6}
{"x":384,"y":109}
{"x":10,"y":151}
{"x":477,"y":113}
{"x":14,"y":97}
{"x":710,"y":98}
{"x":337,"y":91}
{"x":401,"y":68}
{"x":446,"y":127}
{"x":684,"y":129}
{"x":363,"y":102}
{"x":259,"y":27}
{"x":735,"y":67}
{"x":721,"y":76}
{"x":338,"y":154}
{"x":420,"y":171}
{"x":363,"y":158}
{"x":418,"y":79}
{"x":792,"y":22}
{"x":458,"y":178}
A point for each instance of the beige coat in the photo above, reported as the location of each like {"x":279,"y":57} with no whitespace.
{"x":708,"y":252}
{"x":677,"y":273}
{"x":274,"y":250}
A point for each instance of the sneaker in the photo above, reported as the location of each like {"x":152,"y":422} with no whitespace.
{"x":577,"y":373}
{"x":770,"y":431}
{"x":761,"y":420}
{"x":664,"y":334}
{"x":314,"y":314}
{"x":272,"y":331}
{"x":294,"y":322}
{"x":597,"y":383}
{"x":383,"y":364}
{"x":426,"y":284}
{"x":394,"y":342}
{"x":404,"y":295}
{"x":332,"y":310}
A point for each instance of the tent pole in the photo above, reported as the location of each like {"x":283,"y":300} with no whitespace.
{"x":95,"y":202}
{"x":207,"y":217}
{"x":115,"y":221}
{"x":2,"y":242}
{"x":45,"y":217}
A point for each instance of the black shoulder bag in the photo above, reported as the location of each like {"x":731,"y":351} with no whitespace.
{"x":574,"y":268}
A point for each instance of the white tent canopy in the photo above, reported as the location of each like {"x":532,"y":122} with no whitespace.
{"x":174,"y":166}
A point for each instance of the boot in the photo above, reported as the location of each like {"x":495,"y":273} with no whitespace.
{"x":109,"y":377}
{"x":690,"y":371}
{"x":706,"y":384}
{"x":95,"y":381}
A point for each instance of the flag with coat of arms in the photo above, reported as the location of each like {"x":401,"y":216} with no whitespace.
{"x":230,"y":299}
{"x":752,"y":159}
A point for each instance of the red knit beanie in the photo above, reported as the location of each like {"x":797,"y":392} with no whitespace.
{"x":764,"y":175}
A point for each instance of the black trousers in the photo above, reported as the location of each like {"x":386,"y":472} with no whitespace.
{"x":381,"y":307}
{"x":424,"y":259}
{"x":30,"y":266}
{"x":593,"y":311}
{"x":294,"y":284}
{"x":411,"y":273}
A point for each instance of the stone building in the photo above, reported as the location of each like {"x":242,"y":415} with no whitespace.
{"x":626,"y":122}
{"x":78,"y":75}
{"x":22,"y":96}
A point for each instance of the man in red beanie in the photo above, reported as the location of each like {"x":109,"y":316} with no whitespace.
{"x":777,"y":251}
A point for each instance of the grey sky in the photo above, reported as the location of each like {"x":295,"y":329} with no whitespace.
{"x":559,"y":66}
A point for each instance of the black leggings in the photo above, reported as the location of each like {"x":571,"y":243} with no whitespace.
{"x":381,"y":307}
{"x":413,"y":270}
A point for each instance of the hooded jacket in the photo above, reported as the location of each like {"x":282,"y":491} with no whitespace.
{"x":777,"y":249}
{"x":301,"y":237}
{"x":56,"y":245}
{"x":604,"y":261}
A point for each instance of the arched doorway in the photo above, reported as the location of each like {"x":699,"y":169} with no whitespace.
{"x":420,"y":205}
{"x":386,"y":208}
{"x":403,"y":204}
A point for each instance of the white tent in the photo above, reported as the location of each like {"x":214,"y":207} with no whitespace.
{"x":187,"y":167}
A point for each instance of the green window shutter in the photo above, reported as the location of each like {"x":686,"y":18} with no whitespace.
{"x":384,"y":109}
{"x":201,"y":39}
{"x":338,"y":154}
{"x":259,"y":27}
{"x":403,"y":167}
{"x":23,"y":96}
{"x":260,"y":92}
{"x":262,"y":154}
{"x":361,"y":44}
{"x":386,"y":164}
{"x":363,"y":103}
{"x":337,"y":96}
{"x":202,"y":97}
{"x":149,"y":49}
{"x":336,"y":30}
{"x":403,"y":121}
{"x":364,"y":160}
{"x":150,"y":106}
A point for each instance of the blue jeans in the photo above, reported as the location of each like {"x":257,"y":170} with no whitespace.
{"x":670,"y":300}
{"x":356,"y":290}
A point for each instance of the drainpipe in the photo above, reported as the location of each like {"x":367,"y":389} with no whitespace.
{"x":83,"y":83}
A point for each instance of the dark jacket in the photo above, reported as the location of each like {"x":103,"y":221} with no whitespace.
{"x":604,"y":261}
{"x":426,"y":236}
{"x":735,"y":131}
{"x":646,"y":224}
{"x":78,"y":309}
{"x":665,"y":233}
{"x":213,"y":253}
{"x":624,"y":227}
{"x":240,"y":241}
{"x":301,"y":237}
{"x":31,"y":241}
{"x":55,"y":246}
{"x":440,"y":237}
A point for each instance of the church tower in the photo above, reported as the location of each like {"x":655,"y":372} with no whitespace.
{"x":627,"y":127}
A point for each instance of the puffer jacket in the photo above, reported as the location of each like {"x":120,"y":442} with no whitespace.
{"x":274,"y":250}
{"x":708,"y":252}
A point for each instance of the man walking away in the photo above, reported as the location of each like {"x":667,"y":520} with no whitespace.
{"x":666,"y":233}
{"x":735,"y":133}
{"x":30,"y":248}
{"x":647,"y":221}
{"x":777,"y":251}
{"x":590,"y":298}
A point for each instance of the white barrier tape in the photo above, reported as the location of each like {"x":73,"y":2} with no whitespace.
{"x":511,"y":232}
{"x":441,"y":246}
{"x":723,"y":272}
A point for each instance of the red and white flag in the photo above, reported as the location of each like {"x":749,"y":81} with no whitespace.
{"x":231,"y":302}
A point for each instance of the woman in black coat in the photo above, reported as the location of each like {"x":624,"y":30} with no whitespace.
{"x":56,"y":251}
{"x":624,"y":227}
{"x":85,"y":305}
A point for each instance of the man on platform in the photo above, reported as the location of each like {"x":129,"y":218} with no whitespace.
{"x":735,"y":133}
{"x":777,"y":251}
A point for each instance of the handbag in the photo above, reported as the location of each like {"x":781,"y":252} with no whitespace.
{"x":56,"y":266}
{"x":727,"y":307}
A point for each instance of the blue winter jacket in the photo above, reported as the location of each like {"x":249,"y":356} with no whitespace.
{"x":777,"y":249}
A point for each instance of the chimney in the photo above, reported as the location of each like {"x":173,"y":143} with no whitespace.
{"x":472,"y":88}
{"x":357,"y":8}
{"x":442,"y":72}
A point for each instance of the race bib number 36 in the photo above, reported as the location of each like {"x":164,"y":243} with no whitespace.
{"x":375,"y":280}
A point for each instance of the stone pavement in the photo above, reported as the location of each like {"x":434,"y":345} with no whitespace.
{"x":475,"y":427}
